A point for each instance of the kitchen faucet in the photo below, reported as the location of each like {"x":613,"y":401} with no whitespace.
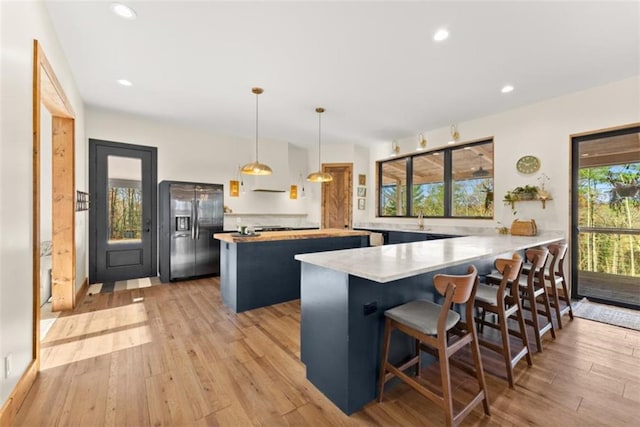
{"x":420,"y":220}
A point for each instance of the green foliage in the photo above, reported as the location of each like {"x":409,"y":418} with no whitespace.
{"x":521,"y":193}
{"x":527,"y":189}
{"x":429,"y":199}
{"x":602,"y":204}
{"x":473,"y":198}
{"x":390,"y":199}
{"x":125,"y":213}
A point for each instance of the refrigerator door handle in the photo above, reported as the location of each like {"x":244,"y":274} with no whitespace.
{"x":197,"y":220}
{"x":193,"y":224}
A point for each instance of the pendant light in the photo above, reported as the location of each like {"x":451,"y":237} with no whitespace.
{"x":319,"y":176}
{"x":480,"y":172}
{"x":256,"y":168}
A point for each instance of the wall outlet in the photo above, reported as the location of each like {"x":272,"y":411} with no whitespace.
{"x":370,"y":308}
{"x":7,"y":365}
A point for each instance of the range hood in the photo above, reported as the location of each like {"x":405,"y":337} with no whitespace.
{"x":277,"y":182}
{"x":268,"y":190}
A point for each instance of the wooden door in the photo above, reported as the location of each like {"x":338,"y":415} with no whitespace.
{"x":337,"y":196}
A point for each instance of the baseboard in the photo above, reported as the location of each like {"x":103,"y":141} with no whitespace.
{"x":13,"y":403}
{"x":83,"y":290}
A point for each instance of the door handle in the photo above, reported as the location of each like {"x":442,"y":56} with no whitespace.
{"x":193,"y":223}
{"x":197,"y":220}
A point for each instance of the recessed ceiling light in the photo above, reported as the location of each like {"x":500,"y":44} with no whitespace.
{"x":451,"y":142}
{"x":123,"y":11}
{"x":441,"y":35}
{"x":125,"y":82}
{"x":506,"y":89}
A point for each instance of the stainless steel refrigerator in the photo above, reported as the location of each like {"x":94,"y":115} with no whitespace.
{"x":190,"y":213}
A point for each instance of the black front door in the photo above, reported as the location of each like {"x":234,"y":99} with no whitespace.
{"x":122,"y":213}
{"x":606,"y":217}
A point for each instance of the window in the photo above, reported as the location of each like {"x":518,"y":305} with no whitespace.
{"x":472,"y":178}
{"x":454,"y":182}
{"x":393,"y":191}
{"x":124,"y":198}
{"x":428,"y":184}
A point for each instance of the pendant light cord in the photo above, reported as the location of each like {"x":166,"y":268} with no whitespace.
{"x":257,"y":95}
{"x":319,"y":142}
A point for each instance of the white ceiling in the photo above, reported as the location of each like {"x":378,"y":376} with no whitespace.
{"x":373,"y":65}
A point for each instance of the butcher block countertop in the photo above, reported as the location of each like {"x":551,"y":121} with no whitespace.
{"x":269,"y":236}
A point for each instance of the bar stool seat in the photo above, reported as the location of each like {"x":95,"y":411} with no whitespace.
{"x":431,"y":325}
{"x":487,"y":294}
{"x":422,"y":316}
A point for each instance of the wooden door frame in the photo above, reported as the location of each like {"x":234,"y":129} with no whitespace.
{"x":47,"y":90}
{"x":325,"y":168}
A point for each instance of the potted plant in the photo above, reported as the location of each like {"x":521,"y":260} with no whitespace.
{"x":528,"y":192}
{"x":501,"y":229}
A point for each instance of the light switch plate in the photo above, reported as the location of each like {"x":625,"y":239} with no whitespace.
{"x":7,"y":365}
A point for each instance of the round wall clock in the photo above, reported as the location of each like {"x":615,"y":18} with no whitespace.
{"x":528,"y":164}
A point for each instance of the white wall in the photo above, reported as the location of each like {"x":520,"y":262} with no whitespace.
{"x":21,"y":22}
{"x":187,"y":154}
{"x":361,"y":166}
{"x":542,"y":129}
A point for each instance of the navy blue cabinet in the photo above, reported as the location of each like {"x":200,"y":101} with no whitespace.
{"x":397,"y":236}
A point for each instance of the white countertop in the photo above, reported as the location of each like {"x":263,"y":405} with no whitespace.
{"x":392,"y":262}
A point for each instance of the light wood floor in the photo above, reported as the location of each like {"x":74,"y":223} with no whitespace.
{"x":179,"y":357}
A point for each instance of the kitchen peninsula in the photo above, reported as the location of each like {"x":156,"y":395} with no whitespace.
{"x":260,"y":270}
{"x":344,"y":295}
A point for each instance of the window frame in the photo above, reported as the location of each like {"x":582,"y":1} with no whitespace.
{"x":447,"y":153}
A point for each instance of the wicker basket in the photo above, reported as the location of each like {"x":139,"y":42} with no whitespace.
{"x":524,"y":228}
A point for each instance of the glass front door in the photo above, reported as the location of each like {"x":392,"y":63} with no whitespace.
{"x":606,"y":217}
{"x":122,"y":211}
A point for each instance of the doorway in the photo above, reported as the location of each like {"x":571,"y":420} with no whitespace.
{"x":606,"y":216}
{"x":122,"y":212}
{"x":337,"y":196}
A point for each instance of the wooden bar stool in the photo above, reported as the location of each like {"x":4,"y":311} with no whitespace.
{"x":532,"y":286}
{"x":430,"y":324}
{"x":554,"y":273}
{"x":504,"y":302}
